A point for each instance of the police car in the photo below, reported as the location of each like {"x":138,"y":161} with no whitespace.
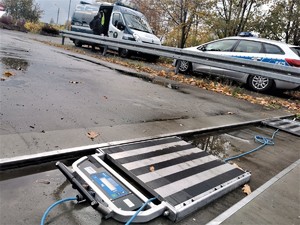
{"x":246,"y":46}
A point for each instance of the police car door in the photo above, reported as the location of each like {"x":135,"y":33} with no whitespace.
{"x":220,"y":47}
{"x":115,"y":30}
{"x":250,"y":50}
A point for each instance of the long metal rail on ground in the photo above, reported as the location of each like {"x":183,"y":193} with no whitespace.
{"x":273,"y":71}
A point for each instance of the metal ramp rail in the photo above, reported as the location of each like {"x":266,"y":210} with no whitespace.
{"x":290,"y":126}
{"x":182,"y":177}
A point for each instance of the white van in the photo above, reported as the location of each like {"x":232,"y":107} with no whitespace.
{"x":121,"y":22}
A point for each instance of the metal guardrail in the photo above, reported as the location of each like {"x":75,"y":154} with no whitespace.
{"x":284,"y":73}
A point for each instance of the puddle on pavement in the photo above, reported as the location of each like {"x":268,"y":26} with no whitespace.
{"x":221,"y":145}
{"x":10,"y":63}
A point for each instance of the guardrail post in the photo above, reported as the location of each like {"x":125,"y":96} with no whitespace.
{"x":177,"y":66}
{"x":104,"y":50}
{"x":63,"y":40}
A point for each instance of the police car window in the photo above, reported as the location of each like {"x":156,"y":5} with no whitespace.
{"x":224,"y":45}
{"x":296,"y":50}
{"x":273,"y":49}
{"x":249,"y":46}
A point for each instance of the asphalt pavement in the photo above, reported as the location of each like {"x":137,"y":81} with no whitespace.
{"x":56,"y":97}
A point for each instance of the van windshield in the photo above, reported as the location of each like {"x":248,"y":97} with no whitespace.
{"x":137,"y":23}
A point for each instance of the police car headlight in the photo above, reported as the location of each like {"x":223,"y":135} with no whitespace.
{"x":137,"y":37}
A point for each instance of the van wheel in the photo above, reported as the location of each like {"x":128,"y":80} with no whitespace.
{"x":260,"y":83}
{"x":124,"y":53}
{"x":77,"y":43}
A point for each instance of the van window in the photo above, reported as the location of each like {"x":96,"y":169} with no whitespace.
{"x":137,"y":23}
{"x":79,"y":8}
{"x":273,"y":49}
{"x":91,"y":8}
{"x":249,"y":46}
{"x":116,"y":18}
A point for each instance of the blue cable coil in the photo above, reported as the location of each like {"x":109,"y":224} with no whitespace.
{"x":52,"y":206}
{"x":263,"y":140}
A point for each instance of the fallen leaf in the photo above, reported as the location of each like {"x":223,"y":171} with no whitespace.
{"x":246,"y":189}
{"x":92,"y":135}
{"x":8,"y":74}
{"x":152,"y":169}
{"x":162,"y":73}
{"x":237,"y":166}
{"x":43,"y":181}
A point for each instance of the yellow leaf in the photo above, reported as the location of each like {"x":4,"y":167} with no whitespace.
{"x":246,"y":189}
{"x":152,"y":169}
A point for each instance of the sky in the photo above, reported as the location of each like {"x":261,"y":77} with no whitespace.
{"x":50,"y":8}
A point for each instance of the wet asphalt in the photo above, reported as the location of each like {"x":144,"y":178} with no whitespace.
{"x":54,"y":98}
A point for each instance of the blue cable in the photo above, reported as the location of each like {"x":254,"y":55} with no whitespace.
{"x":52,"y":206}
{"x":139,"y":210}
{"x":263,"y":140}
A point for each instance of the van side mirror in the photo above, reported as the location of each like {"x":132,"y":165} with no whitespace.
{"x":120,"y":26}
{"x":202,"y":48}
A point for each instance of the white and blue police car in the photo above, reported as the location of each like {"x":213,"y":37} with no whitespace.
{"x":247,"y":47}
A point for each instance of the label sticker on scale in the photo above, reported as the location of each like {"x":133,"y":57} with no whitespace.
{"x":128,"y":203}
{"x":90,"y":170}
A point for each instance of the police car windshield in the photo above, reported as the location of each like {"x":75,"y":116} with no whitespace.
{"x":137,"y":23}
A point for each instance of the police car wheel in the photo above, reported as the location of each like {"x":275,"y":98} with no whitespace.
{"x":260,"y":83}
{"x":184,"y":66}
{"x":124,"y":53}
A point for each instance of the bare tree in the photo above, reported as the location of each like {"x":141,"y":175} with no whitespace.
{"x":230,"y":17}
{"x":23,"y":9}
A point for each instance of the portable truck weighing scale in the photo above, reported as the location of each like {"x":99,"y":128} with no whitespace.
{"x":120,"y":180}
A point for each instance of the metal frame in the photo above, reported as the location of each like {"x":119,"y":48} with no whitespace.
{"x":199,"y":201}
{"x":273,"y":71}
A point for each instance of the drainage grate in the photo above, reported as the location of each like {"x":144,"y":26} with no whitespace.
{"x":290,"y":126}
